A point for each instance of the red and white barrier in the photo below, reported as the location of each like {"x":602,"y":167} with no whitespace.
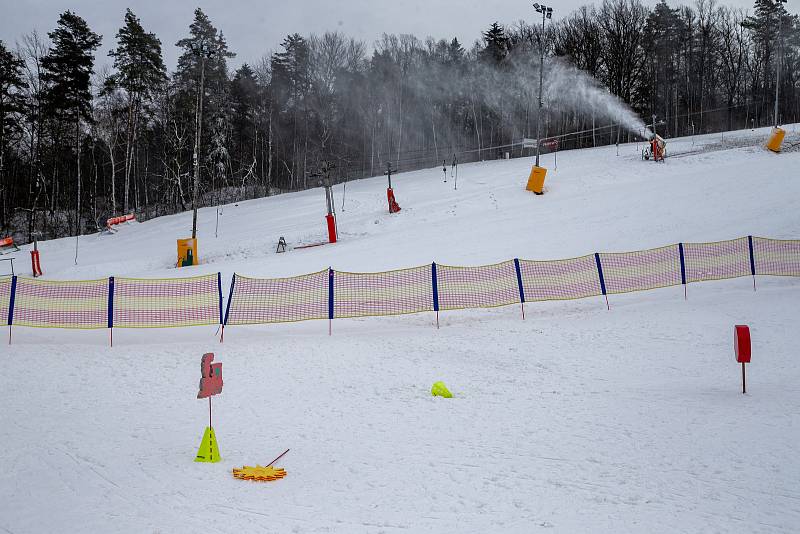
{"x":113,"y":221}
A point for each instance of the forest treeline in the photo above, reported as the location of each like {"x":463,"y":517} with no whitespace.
{"x":80,"y":143}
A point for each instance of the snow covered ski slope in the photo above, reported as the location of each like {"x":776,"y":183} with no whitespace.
{"x":577,"y":419}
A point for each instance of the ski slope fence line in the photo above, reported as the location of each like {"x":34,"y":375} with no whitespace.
{"x":112,"y":302}
{"x":329,"y":294}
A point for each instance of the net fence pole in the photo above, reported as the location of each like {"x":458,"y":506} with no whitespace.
{"x":221,"y":317}
{"x":435,"y":285}
{"x":330,"y":301}
{"x":228,"y":308}
{"x":111,"y":311}
{"x":11,"y":306}
{"x":520,"y":286}
{"x":683,"y":269}
{"x":752,"y":260}
{"x":602,"y":279}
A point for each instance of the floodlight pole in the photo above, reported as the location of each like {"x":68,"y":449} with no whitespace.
{"x":203,"y":54}
{"x":779,"y":53}
{"x":544,"y":11}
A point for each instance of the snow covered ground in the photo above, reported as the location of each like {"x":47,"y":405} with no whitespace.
{"x":577,"y":419}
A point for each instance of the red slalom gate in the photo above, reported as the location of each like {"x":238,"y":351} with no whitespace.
{"x":741,"y":347}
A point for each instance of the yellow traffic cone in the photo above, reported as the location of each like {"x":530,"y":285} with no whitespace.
{"x":208,"y":451}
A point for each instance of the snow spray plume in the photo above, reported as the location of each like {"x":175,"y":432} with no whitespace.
{"x":570,"y":87}
{"x":567,"y":88}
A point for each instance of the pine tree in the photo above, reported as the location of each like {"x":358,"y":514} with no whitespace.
{"x":12,"y":103}
{"x":663,"y":33}
{"x":67,"y":71}
{"x":496,"y":44}
{"x":244,"y":94}
{"x":203,"y":62}
{"x":771,"y":28}
{"x":140,"y":71}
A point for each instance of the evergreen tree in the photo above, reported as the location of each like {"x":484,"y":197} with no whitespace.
{"x":140,"y":71}
{"x":496,"y":44}
{"x":663,"y":33}
{"x":776,"y":36}
{"x":12,"y":104}
{"x":245,"y":94}
{"x":202,"y":65}
{"x":67,"y":71}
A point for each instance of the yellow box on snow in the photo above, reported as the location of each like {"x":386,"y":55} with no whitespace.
{"x":775,"y":139}
{"x":536,"y":180}
{"x":187,"y":252}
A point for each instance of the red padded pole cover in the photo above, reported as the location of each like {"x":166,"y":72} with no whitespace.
{"x":331,"y":228}
{"x":741,"y":343}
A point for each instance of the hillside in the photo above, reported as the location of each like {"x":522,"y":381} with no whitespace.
{"x":577,"y":419}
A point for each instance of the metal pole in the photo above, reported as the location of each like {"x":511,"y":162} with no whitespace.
{"x":198,"y":131}
{"x":778,"y":66}
{"x":744,"y":381}
{"x":278,"y":458}
{"x":541,"y":83}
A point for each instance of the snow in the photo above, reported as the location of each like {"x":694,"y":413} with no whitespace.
{"x":577,"y":419}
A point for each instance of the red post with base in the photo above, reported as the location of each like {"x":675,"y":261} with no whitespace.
{"x":331,"y":219}
{"x":741,"y":347}
{"x":36,"y":266}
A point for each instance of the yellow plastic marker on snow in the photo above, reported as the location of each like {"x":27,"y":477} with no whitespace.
{"x":208,"y":451}
{"x":259,"y":473}
{"x":440,"y":390}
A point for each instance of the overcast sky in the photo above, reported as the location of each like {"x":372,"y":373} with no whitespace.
{"x":255,"y":27}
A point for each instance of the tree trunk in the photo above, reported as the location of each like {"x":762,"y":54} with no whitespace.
{"x":198,"y":131}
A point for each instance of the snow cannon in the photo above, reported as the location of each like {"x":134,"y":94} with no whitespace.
{"x":656,"y":148}
{"x":536,"y":180}
{"x":394,"y":207}
{"x":325,"y":181}
{"x":741,"y":348}
{"x":330,"y":218}
{"x":775,"y":139}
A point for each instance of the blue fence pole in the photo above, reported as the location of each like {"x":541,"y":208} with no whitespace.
{"x":111,"y":310}
{"x":683,"y":269}
{"x":435,"y":284}
{"x":11,"y":306}
{"x":602,"y":279}
{"x":219,"y":289}
{"x":752,"y":260}
{"x":330,"y":301}
{"x":228,"y":308}
{"x":520,"y":286}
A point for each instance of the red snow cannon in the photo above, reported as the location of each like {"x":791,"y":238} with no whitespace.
{"x":393,"y":206}
{"x":741,"y":343}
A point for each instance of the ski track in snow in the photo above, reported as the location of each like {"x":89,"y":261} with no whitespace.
{"x":577,"y":419}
